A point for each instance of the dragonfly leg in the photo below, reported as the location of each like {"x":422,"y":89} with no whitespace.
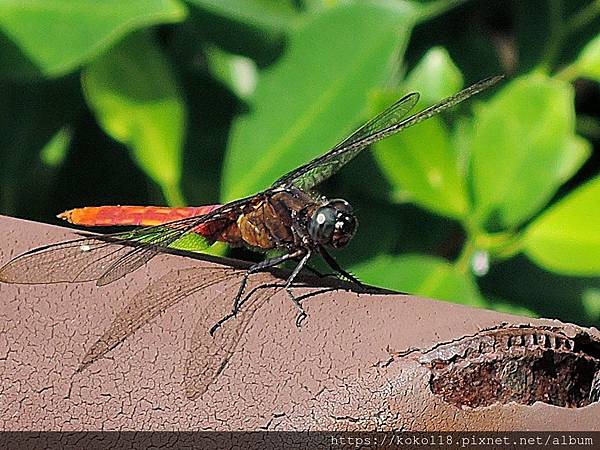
{"x":238,"y":301}
{"x":288,"y":288}
{"x":259,"y":267}
{"x":331,"y":262}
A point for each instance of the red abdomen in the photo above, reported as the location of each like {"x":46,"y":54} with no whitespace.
{"x":104,"y":216}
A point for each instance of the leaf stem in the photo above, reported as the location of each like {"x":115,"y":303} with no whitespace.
{"x":557,"y":34}
{"x":173,"y":195}
{"x":583,"y":17}
{"x":510,"y":248}
{"x":500,"y":245}
{"x":568,"y":73}
{"x":463,"y":262}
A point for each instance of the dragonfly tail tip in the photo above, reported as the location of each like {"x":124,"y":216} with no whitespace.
{"x":65,"y":215}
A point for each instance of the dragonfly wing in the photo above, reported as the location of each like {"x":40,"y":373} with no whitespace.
{"x":323,"y":167}
{"x":129,"y":262}
{"x":106,"y":258}
{"x":147,"y":243}
{"x":152,"y":301}
{"x":387,"y":123}
{"x":73,"y":261}
{"x":209,"y":355}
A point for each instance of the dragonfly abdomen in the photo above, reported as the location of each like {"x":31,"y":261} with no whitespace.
{"x":103,"y":216}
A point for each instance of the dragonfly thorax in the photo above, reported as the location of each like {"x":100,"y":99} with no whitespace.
{"x":333,"y":224}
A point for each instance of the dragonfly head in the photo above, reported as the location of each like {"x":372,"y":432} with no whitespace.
{"x":333,"y":224}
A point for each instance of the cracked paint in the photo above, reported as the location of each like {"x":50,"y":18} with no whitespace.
{"x":321,"y":376}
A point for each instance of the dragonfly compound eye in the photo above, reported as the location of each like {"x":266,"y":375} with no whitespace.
{"x":345,"y":223}
{"x":345,"y":227}
{"x":333,"y":224}
{"x":322,"y":225}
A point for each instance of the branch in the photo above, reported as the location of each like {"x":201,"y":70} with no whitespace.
{"x":136,"y":354}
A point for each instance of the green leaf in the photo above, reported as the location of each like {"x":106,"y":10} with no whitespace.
{"x":236,"y":72}
{"x":434,"y":77}
{"x":590,"y":300}
{"x":191,"y":242}
{"x":421,"y":163}
{"x":54,"y":152}
{"x":267,"y":14}
{"x":523,"y":147}
{"x":320,"y":5}
{"x":57,"y":36}
{"x":588,"y":62}
{"x":137,"y":101}
{"x":422,"y":275}
{"x":566,"y":238}
{"x":310,"y":99}
{"x":576,"y":152}
{"x":30,"y":115}
{"x":429,"y":10}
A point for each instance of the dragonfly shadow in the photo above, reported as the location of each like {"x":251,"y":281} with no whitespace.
{"x":308,"y":278}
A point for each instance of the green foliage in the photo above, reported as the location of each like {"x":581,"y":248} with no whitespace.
{"x":263,"y":14}
{"x":588,"y":63}
{"x":435,"y":77}
{"x":310,"y":99}
{"x":57,"y":36}
{"x":136,"y":100}
{"x":507,"y":147}
{"x":425,"y":275}
{"x":421,"y":163}
{"x":496,"y":204}
{"x":55,"y":151}
{"x":565,"y":238}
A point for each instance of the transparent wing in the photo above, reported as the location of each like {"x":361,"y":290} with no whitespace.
{"x":160,"y":295}
{"x":209,"y":355}
{"x":385,"y":124}
{"x":323,"y":167}
{"x":106,"y":258}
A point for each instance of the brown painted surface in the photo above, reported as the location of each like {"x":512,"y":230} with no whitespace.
{"x":360,"y":361}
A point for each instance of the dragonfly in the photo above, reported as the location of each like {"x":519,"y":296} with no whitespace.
{"x":289,"y":217}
